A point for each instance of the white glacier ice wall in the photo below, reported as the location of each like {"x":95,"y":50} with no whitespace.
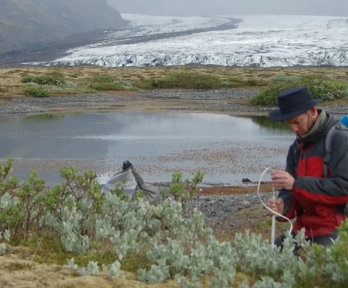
{"x":258,"y":40}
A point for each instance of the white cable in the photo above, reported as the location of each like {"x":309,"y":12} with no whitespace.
{"x":269,"y":209}
{"x":273,"y":231}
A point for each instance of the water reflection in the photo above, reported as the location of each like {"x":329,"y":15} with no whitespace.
{"x":45,"y":116}
{"x":224,"y":147}
{"x":268,"y":123}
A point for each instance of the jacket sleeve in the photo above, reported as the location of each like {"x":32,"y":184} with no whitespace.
{"x":332,"y":190}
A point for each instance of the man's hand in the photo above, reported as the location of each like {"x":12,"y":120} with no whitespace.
{"x":276,"y":205}
{"x":282,"y":179}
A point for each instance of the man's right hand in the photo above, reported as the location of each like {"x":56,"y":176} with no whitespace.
{"x":276,"y":205}
{"x":282,"y":179}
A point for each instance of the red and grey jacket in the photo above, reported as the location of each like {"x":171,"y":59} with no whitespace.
{"x":317,"y":202}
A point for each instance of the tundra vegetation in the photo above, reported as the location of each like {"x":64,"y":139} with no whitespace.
{"x":94,"y":233}
{"x":328,"y":83}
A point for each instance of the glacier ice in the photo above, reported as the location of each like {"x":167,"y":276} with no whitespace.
{"x":256,"y":40}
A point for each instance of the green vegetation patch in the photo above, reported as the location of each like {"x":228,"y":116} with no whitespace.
{"x":320,"y":87}
{"x":80,"y":80}
{"x":188,"y":80}
{"x":286,"y":78}
{"x":36,"y":92}
{"x":108,"y":83}
{"x":95,"y":232}
{"x":53,"y":78}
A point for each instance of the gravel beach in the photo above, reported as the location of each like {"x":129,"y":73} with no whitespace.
{"x":227,"y":101}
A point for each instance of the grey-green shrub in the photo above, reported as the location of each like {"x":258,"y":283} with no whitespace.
{"x":174,"y":246}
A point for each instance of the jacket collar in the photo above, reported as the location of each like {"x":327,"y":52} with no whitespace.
{"x":323,"y":123}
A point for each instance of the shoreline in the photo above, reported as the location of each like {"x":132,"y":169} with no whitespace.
{"x":234,"y":102}
{"x":227,"y":101}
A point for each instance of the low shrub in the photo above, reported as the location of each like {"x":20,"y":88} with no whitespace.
{"x":325,"y":88}
{"x":268,"y":96}
{"x":36,"y":92}
{"x":101,"y":232}
{"x":54,"y":78}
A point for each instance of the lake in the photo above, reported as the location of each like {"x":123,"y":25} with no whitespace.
{"x":225,"y":148}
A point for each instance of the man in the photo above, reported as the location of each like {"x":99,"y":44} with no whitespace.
{"x":316,"y":202}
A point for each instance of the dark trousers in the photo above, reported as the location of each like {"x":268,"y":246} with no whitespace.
{"x":324,"y":240}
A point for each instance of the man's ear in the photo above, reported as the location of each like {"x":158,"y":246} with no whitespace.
{"x":313,"y":111}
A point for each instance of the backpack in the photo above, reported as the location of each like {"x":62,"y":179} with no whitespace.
{"x":343,"y":123}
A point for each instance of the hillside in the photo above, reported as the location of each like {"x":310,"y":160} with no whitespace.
{"x":36,"y":23}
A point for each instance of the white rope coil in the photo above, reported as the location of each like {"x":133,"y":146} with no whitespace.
{"x":271,"y":210}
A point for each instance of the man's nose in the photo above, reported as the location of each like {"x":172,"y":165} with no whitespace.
{"x":293,"y":128}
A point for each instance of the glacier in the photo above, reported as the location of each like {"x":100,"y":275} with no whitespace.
{"x":227,"y":40}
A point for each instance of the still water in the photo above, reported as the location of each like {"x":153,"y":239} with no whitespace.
{"x":225,"y":148}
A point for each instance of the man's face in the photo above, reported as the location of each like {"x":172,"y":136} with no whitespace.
{"x":301,"y":124}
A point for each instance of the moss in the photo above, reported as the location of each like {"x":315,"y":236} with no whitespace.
{"x":135,"y":261}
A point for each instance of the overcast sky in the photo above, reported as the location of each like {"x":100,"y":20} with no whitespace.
{"x":228,"y":7}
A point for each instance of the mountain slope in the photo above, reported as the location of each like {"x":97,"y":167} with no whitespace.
{"x":32,"y":23}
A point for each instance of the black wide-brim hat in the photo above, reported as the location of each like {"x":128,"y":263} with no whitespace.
{"x":293,"y":102}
